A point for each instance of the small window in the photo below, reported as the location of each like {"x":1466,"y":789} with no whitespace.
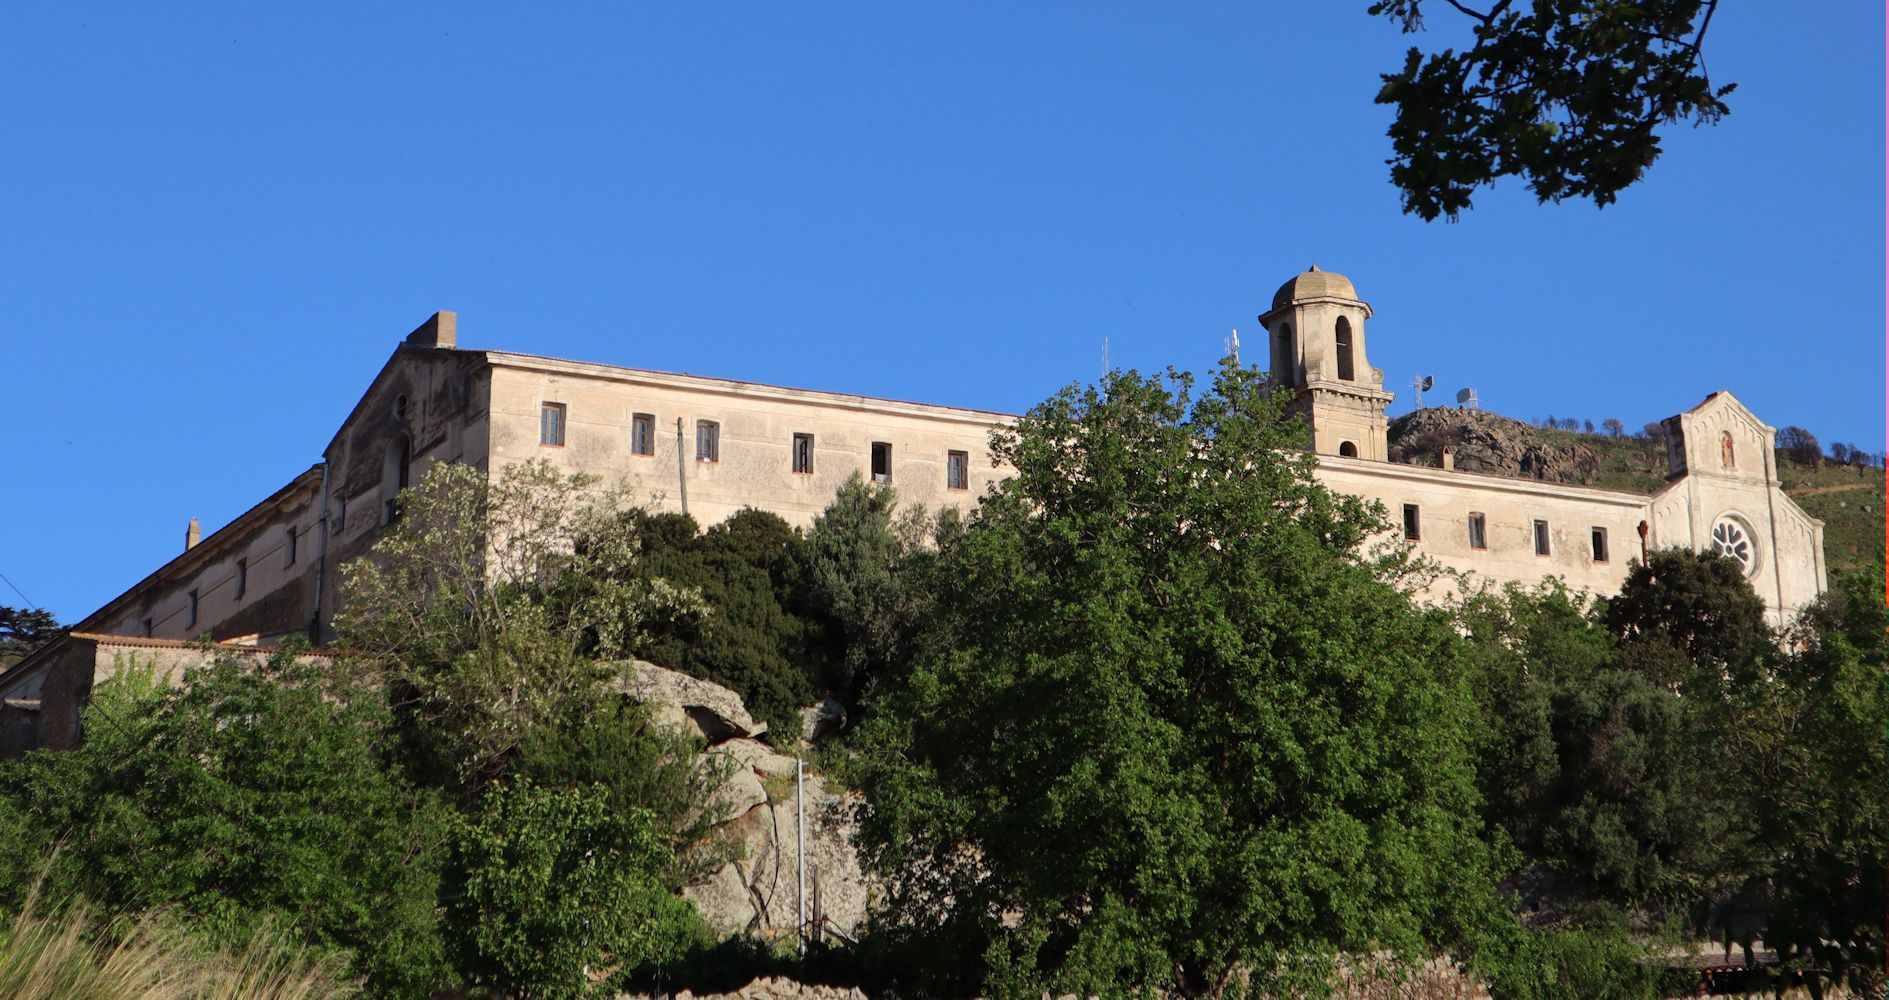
{"x":1599,"y":537}
{"x":957,"y":470}
{"x":881,"y":462}
{"x":803,"y":454}
{"x":288,"y":550}
{"x":341,"y":516}
{"x":643,"y":434}
{"x":149,"y":628}
{"x":707,"y":441}
{"x":1478,"y":532}
{"x":400,"y":408}
{"x":191,"y":616}
{"x":1343,"y":341}
{"x":1541,"y":539}
{"x":1348,"y":449}
{"x":551,"y":425}
{"x":1413,"y":527}
{"x":242,"y":577}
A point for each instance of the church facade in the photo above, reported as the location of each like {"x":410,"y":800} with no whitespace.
{"x":711,"y":446}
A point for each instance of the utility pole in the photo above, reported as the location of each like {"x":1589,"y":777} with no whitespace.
{"x":682,"y":469}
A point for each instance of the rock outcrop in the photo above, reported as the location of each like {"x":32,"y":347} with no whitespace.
{"x":754,"y":808}
{"x":1489,"y":444}
{"x":772,"y":988}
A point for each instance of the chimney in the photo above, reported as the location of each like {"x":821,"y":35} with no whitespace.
{"x":193,"y":533}
{"x":439,"y":330}
{"x":1449,"y":459}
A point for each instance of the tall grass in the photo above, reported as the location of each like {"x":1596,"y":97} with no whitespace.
{"x":152,"y":957}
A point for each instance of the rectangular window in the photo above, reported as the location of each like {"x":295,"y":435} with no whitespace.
{"x":242,"y":577}
{"x":881,"y":462}
{"x":707,"y":441}
{"x":957,"y":470}
{"x":551,"y":425}
{"x":803,"y":454}
{"x":149,"y":630}
{"x":1478,"y":532}
{"x":1412,"y":526}
{"x":643,"y":434}
{"x":1541,"y":538}
{"x":1599,"y":537}
{"x":288,"y":550}
{"x":341,"y":516}
{"x":191,"y":618}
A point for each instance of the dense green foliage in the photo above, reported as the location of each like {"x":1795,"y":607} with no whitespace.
{"x":759,"y":635}
{"x":1168,"y":725}
{"x":1661,"y":756}
{"x":1569,"y":94}
{"x":555,"y":886}
{"x":244,"y":794}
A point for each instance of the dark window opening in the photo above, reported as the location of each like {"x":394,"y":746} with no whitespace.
{"x":149,"y":629}
{"x":191,"y":618}
{"x":1541,"y":539}
{"x":1285,"y":360}
{"x":551,"y":425}
{"x":1600,"y":544}
{"x":1412,"y":526}
{"x":242,"y":577}
{"x":958,"y":470}
{"x":707,"y":441}
{"x":1478,"y":532}
{"x":881,"y":462}
{"x":1348,"y":449}
{"x":288,"y":550}
{"x":643,"y":434}
{"x":803,"y":454}
{"x":1345,"y":368}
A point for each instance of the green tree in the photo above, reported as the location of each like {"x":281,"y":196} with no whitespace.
{"x":1691,"y":618}
{"x":243,"y":793}
{"x":1567,"y":94}
{"x":486,"y":607}
{"x":1811,"y":752}
{"x":559,"y":889}
{"x":866,"y":563}
{"x":759,"y":636}
{"x":1167,"y":725}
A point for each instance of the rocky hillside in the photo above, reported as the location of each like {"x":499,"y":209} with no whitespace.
{"x":1848,"y":499}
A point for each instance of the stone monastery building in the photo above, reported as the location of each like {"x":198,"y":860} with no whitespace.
{"x":711,"y":446}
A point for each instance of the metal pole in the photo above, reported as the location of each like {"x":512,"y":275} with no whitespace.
{"x":800,"y":846}
{"x":682,"y":469}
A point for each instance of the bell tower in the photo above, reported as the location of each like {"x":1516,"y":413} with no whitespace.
{"x":1316,"y":329}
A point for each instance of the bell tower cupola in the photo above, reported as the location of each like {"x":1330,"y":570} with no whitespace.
{"x":1316,"y":329}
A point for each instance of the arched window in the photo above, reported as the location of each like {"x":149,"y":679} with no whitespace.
{"x":1284,"y":356}
{"x":394,"y":472}
{"x":1344,"y":350}
{"x":1348,"y":449}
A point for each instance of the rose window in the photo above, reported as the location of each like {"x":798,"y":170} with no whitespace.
{"x":1729,"y":538}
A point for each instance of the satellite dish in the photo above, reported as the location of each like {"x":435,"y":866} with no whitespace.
{"x":1467,"y":397}
{"x":1422,"y":384}
{"x":1428,"y":381}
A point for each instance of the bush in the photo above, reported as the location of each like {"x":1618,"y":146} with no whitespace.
{"x":558,"y":888}
{"x":245,"y":793}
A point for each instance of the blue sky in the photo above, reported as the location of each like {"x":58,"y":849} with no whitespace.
{"x":217,"y":220}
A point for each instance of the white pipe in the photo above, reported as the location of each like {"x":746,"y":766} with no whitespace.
{"x":800,"y":846}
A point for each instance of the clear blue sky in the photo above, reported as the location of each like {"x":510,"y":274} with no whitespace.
{"x":217,"y":220}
